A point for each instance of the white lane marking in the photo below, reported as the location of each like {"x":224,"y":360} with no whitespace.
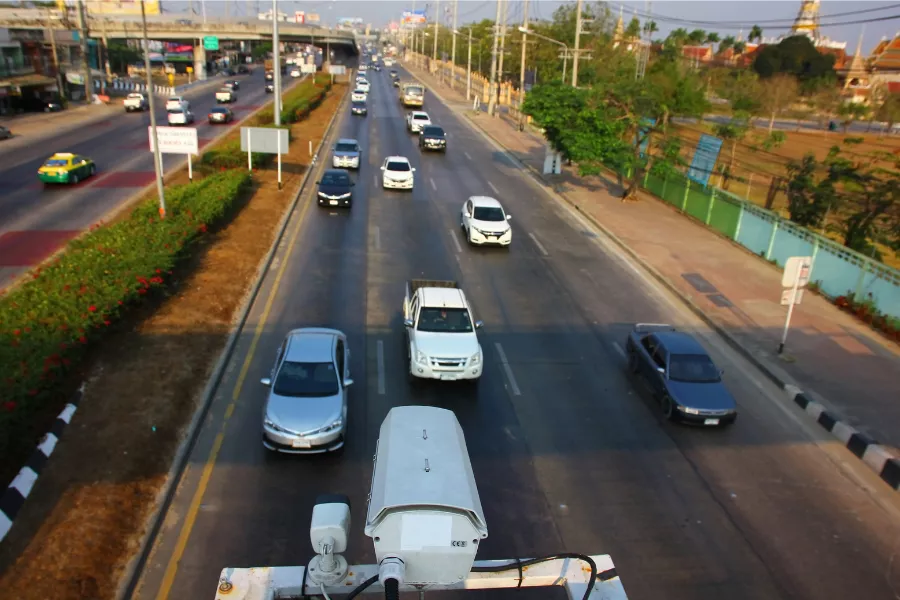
{"x":513,"y":386}
{"x":375,"y":180}
{"x":539,"y":245}
{"x":455,"y":240}
{"x":433,"y":186}
{"x":377,"y":238}
{"x":467,"y":155}
{"x":380,"y":356}
{"x":494,"y":187}
{"x":618,"y":349}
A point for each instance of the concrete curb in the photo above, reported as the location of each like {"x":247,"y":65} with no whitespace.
{"x":134,"y":569}
{"x":18,"y":490}
{"x":877,"y":457}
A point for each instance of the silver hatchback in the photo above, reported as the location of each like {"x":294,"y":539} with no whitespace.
{"x":306,"y":411}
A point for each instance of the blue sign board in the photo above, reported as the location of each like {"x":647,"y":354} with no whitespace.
{"x":705,"y":157}
{"x":646,"y":125}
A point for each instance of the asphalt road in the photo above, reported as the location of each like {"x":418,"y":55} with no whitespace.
{"x":35,"y":220}
{"x":568,"y":453}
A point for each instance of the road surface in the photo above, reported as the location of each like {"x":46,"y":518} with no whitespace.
{"x":35,"y":221}
{"x":568,"y":454}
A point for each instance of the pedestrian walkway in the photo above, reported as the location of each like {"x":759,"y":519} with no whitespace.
{"x":850,"y":368}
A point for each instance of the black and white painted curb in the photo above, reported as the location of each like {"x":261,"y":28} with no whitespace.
{"x":14,"y":497}
{"x":877,"y":457}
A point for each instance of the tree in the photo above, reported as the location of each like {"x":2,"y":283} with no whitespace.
{"x":850,"y":112}
{"x":778,"y":93}
{"x":796,"y":56}
{"x":676,"y":38}
{"x":633,"y":31}
{"x":726,"y":43}
{"x":808,"y":200}
{"x":825,"y":103}
{"x":697,"y":37}
{"x":739,"y":47}
{"x":121,"y":55}
{"x":742,"y":89}
{"x":756,"y":33}
{"x":711,"y":38}
{"x":651,"y":27}
{"x":734,"y":131}
{"x":261,"y":52}
{"x":889,"y":110}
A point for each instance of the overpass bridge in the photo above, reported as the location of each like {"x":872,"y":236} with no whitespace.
{"x":174,"y":29}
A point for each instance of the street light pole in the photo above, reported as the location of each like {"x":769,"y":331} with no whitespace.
{"x":59,"y":80}
{"x":492,"y":96}
{"x":85,"y":51}
{"x":437,"y":23}
{"x":276,"y":64}
{"x":469,"y":68}
{"x":579,"y":9}
{"x":522,"y":69}
{"x":453,"y":45}
{"x":157,"y":155}
{"x":502,"y":41}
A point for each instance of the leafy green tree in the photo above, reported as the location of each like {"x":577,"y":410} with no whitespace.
{"x":733,"y":132}
{"x":651,"y":27}
{"x":726,"y":43}
{"x":122,"y":55}
{"x":739,"y":47}
{"x":697,"y":37}
{"x":774,"y":140}
{"x":825,"y":103}
{"x":634,"y":29}
{"x":851,"y":112}
{"x":778,"y":93}
{"x":711,"y":38}
{"x":889,"y":110}
{"x":261,"y":52}
{"x":808,"y":200}
{"x":795,"y":56}
{"x":676,"y":38}
{"x":742,"y":89}
{"x":756,"y":33}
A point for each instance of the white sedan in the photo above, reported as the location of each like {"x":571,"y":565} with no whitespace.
{"x":397,"y":173}
{"x":417,"y":120}
{"x":363,"y":85}
{"x":484,"y":222}
{"x":359,"y":95}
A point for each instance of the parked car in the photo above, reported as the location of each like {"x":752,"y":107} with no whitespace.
{"x":5,"y":133}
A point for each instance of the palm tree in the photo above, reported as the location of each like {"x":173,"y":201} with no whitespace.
{"x":677,"y":37}
{"x":755,"y":33}
{"x":739,"y":47}
{"x":726,"y":43}
{"x":711,"y":38}
{"x":697,"y":37}
{"x":651,"y":27}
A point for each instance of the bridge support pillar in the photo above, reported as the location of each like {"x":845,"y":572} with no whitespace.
{"x":199,"y":60}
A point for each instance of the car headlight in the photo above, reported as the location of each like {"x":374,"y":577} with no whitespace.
{"x":342,"y":196}
{"x":272,"y":425}
{"x":476,"y":359}
{"x":421,"y":358}
{"x":336,"y":424}
{"x":690,"y":411}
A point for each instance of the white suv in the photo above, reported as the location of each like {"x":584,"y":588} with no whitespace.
{"x":484,"y":222}
{"x":397,"y":173}
{"x":177,"y":102}
{"x":417,"y":120}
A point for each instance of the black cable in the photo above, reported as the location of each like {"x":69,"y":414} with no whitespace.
{"x":391,"y":589}
{"x":521,"y":564}
{"x":359,"y":589}
{"x":303,"y":583}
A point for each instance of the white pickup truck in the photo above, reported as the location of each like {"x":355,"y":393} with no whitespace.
{"x":225,"y":96}
{"x":441,"y":342}
{"x":135,"y":102}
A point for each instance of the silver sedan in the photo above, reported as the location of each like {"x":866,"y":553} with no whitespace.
{"x":306,"y":411}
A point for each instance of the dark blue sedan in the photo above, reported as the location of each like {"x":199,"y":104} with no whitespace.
{"x":681,"y":375}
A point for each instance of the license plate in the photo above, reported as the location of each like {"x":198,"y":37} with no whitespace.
{"x":448,"y":377}
{"x":492,"y":238}
{"x":333,"y":203}
{"x":300,"y":443}
{"x":711,"y":422}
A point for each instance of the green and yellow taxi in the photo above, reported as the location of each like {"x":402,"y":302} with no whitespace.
{"x":65,"y":167}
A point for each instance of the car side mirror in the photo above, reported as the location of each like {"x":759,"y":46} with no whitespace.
{"x":661,"y":370}
{"x":408,"y":323}
{"x":468,"y":216}
{"x":266,"y":381}
{"x":382,"y":168}
{"x":479,"y":324}
{"x":348,"y":382}
{"x":509,"y":217}
{"x":721,"y":372}
{"x":413,"y":169}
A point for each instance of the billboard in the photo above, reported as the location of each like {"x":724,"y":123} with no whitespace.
{"x":414,"y":17}
{"x":349,"y":23}
{"x":705,"y":157}
{"x":122,"y":7}
{"x":313,"y":18}
{"x":300,"y":17}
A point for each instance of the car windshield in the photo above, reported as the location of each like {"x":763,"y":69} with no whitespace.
{"x":335,"y":179}
{"x":693,"y":368}
{"x":175,"y":100}
{"x":359,"y":105}
{"x":306,"y":380}
{"x":433,"y":131}
{"x":454,"y":320}
{"x":135,"y":97}
{"x":346,"y":148}
{"x":398,"y":166}
{"x":224,"y":91}
{"x":220,"y":110}
{"x":175,"y":111}
{"x":421,"y":117}
{"x":488,"y":213}
{"x":56,"y":162}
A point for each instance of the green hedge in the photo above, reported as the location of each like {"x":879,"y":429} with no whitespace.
{"x":48,"y":321}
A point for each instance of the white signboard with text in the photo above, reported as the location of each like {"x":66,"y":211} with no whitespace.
{"x":175,"y":140}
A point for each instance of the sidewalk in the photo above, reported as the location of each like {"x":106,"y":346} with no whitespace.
{"x":848,"y":367}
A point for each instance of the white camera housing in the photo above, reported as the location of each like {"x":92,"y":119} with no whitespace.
{"x":328,"y":533}
{"x":424,"y":507}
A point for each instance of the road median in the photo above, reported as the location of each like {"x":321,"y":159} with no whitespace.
{"x":162,"y":326}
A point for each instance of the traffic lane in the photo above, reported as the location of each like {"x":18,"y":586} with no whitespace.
{"x":768,"y":460}
{"x":413,"y":245}
{"x":86,"y":138}
{"x":268,"y":512}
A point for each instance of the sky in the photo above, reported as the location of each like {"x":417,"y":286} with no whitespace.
{"x":774,"y":16}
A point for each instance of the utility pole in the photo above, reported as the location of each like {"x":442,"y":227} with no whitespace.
{"x":85,"y":51}
{"x":437,"y":23}
{"x":157,"y":155}
{"x":227,"y":9}
{"x":59,"y":80}
{"x":202,"y":8}
{"x":453,"y":45}
{"x":644,"y":55}
{"x":276,"y":64}
{"x":469,"y":68}
{"x":492,"y":97}
{"x":578,"y":10}
{"x":522,"y":68}
{"x":105,"y":48}
{"x":502,"y":41}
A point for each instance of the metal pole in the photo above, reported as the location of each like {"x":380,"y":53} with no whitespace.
{"x":203,"y":8}
{"x":453,"y":45}
{"x":502,"y":41}
{"x":565,"y":61}
{"x":578,"y":10}
{"x":85,"y":52}
{"x":59,"y":80}
{"x":787,"y":321}
{"x":492,"y":96}
{"x":106,"y":66}
{"x":157,"y":154}
{"x":469,"y":68}
{"x":522,"y":68}
{"x":276,"y":63}
{"x":437,"y":22}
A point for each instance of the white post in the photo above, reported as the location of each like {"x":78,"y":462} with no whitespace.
{"x":310,"y":147}
{"x":787,"y":321}
{"x":249,"y":153}
{"x":190,"y":170}
{"x":279,"y":162}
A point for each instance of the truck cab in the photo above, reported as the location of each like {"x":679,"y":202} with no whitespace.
{"x":441,"y":337}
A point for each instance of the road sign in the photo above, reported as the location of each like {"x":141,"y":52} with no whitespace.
{"x":308,"y":68}
{"x":210,"y":42}
{"x":175,"y":140}
{"x":267,"y":140}
{"x":796,"y":271}
{"x":786,"y":296}
{"x":337,"y":69}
